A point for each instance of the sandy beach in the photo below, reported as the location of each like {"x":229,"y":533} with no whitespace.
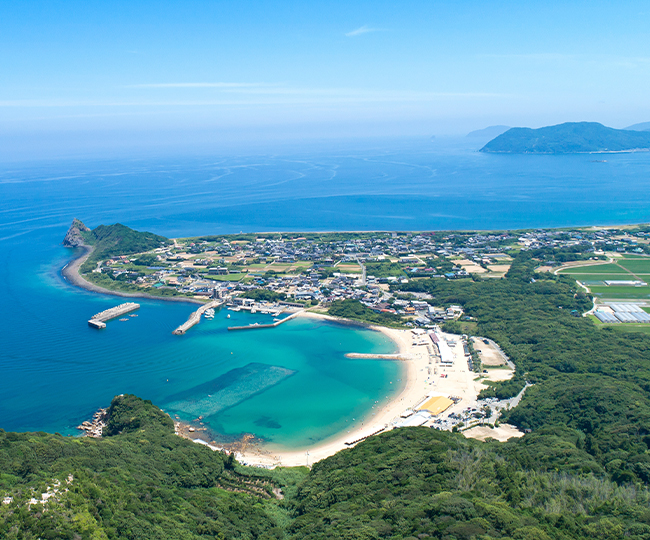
{"x":422,"y":377}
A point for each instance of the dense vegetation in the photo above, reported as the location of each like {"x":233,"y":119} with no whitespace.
{"x":568,"y":138}
{"x":264,"y":295}
{"x":356,"y":311}
{"x":112,"y":240}
{"x":592,"y":379}
{"x":142,"y":482}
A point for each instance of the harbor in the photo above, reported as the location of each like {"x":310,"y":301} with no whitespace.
{"x":99,"y":319}
{"x":195,"y":317}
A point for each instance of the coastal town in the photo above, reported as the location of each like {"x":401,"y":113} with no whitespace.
{"x":278,"y":271}
{"x":365,"y":277}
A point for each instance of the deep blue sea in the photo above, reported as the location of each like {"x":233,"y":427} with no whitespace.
{"x":55,"y":371}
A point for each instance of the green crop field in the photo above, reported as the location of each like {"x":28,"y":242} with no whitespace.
{"x":597,"y":269}
{"x":626,"y":327}
{"x":638,"y":266}
{"x":602,"y":277}
{"x":619,"y":293}
{"x":228,"y":277}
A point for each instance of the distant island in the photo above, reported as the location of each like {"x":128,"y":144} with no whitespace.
{"x":643,"y":126}
{"x":488,"y":132}
{"x":568,"y":138}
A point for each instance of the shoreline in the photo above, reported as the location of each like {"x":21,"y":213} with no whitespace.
{"x":417,"y":384}
{"x":70,"y":273}
{"x":414,"y":390}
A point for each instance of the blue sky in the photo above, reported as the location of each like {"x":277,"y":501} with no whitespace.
{"x":99,"y":73}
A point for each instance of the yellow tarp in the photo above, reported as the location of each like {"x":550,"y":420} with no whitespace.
{"x":436,"y":405}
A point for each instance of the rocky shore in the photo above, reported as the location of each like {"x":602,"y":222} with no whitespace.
{"x":94,"y":427}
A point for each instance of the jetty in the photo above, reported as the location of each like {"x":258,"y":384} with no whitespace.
{"x":195,"y":317}
{"x":99,"y":319}
{"x":377,"y":356}
{"x":257,"y":326}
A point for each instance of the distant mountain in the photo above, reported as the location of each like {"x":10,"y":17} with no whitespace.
{"x":643,"y":126}
{"x":489,"y":132}
{"x":568,"y":138}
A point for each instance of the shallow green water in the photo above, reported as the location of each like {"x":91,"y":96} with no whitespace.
{"x":291,"y":385}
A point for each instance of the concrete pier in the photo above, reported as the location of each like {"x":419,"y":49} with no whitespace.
{"x":195,"y":317}
{"x":376,"y":356}
{"x":260,"y":326}
{"x":99,"y":320}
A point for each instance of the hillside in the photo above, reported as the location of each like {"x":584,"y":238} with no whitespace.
{"x":140,"y":481}
{"x":568,"y":138}
{"x":109,"y":241}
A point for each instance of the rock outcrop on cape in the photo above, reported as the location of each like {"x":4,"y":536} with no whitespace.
{"x":74,"y":236}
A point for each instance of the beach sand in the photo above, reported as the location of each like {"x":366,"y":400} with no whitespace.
{"x":422,"y":378}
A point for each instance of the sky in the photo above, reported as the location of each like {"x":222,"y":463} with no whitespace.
{"x":91,"y":75}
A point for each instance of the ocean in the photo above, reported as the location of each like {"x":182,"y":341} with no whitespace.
{"x":291,"y":386}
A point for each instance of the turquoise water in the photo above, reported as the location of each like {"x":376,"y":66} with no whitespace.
{"x":55,"y":371}
{"x":61,"y":370}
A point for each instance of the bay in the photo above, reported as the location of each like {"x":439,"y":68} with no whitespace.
{"x":55,"y":371}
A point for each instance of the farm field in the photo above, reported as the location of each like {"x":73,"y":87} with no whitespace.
{"x":637,"y":266}
{"x":587,"y":278}
{"x":642,"y":328}
{"x":620,"y":293}
{"x":596,"y":269}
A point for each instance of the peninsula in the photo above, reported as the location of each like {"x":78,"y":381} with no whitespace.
{"x":412,"y":286}
{"x":579,"y":471}
{"x":568,"y":138}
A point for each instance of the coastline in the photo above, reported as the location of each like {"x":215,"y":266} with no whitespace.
{"x":423,"y":377}
{"x":414,"y":389}
{"x":70,"y":273}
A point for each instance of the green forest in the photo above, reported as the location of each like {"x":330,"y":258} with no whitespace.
{"x":582,"y":472}
{"x":118,"y":239}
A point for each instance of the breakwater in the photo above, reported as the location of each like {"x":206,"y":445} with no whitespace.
{"x":99,"y":319}
{"x":376,"y":356}
{"x":257,"y":326}
{"x":195,"y":317}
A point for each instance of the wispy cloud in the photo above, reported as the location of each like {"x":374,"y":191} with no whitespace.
{"x":197,"y":85}
{"x":365,"y":29}
{"x":263,"y":95}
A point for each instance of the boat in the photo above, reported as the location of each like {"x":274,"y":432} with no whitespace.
{"x":228,"y":316}
{"x":124,"y":319}
{"x":133,"y":315}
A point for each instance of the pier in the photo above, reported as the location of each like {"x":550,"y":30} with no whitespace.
{"x":257,"y":326}
{"x":99,"y":320}
{"x":376,"y":356}
{"x":195,"y":317}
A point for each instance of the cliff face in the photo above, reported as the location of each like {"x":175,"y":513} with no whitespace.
{"x":74,"y":236}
